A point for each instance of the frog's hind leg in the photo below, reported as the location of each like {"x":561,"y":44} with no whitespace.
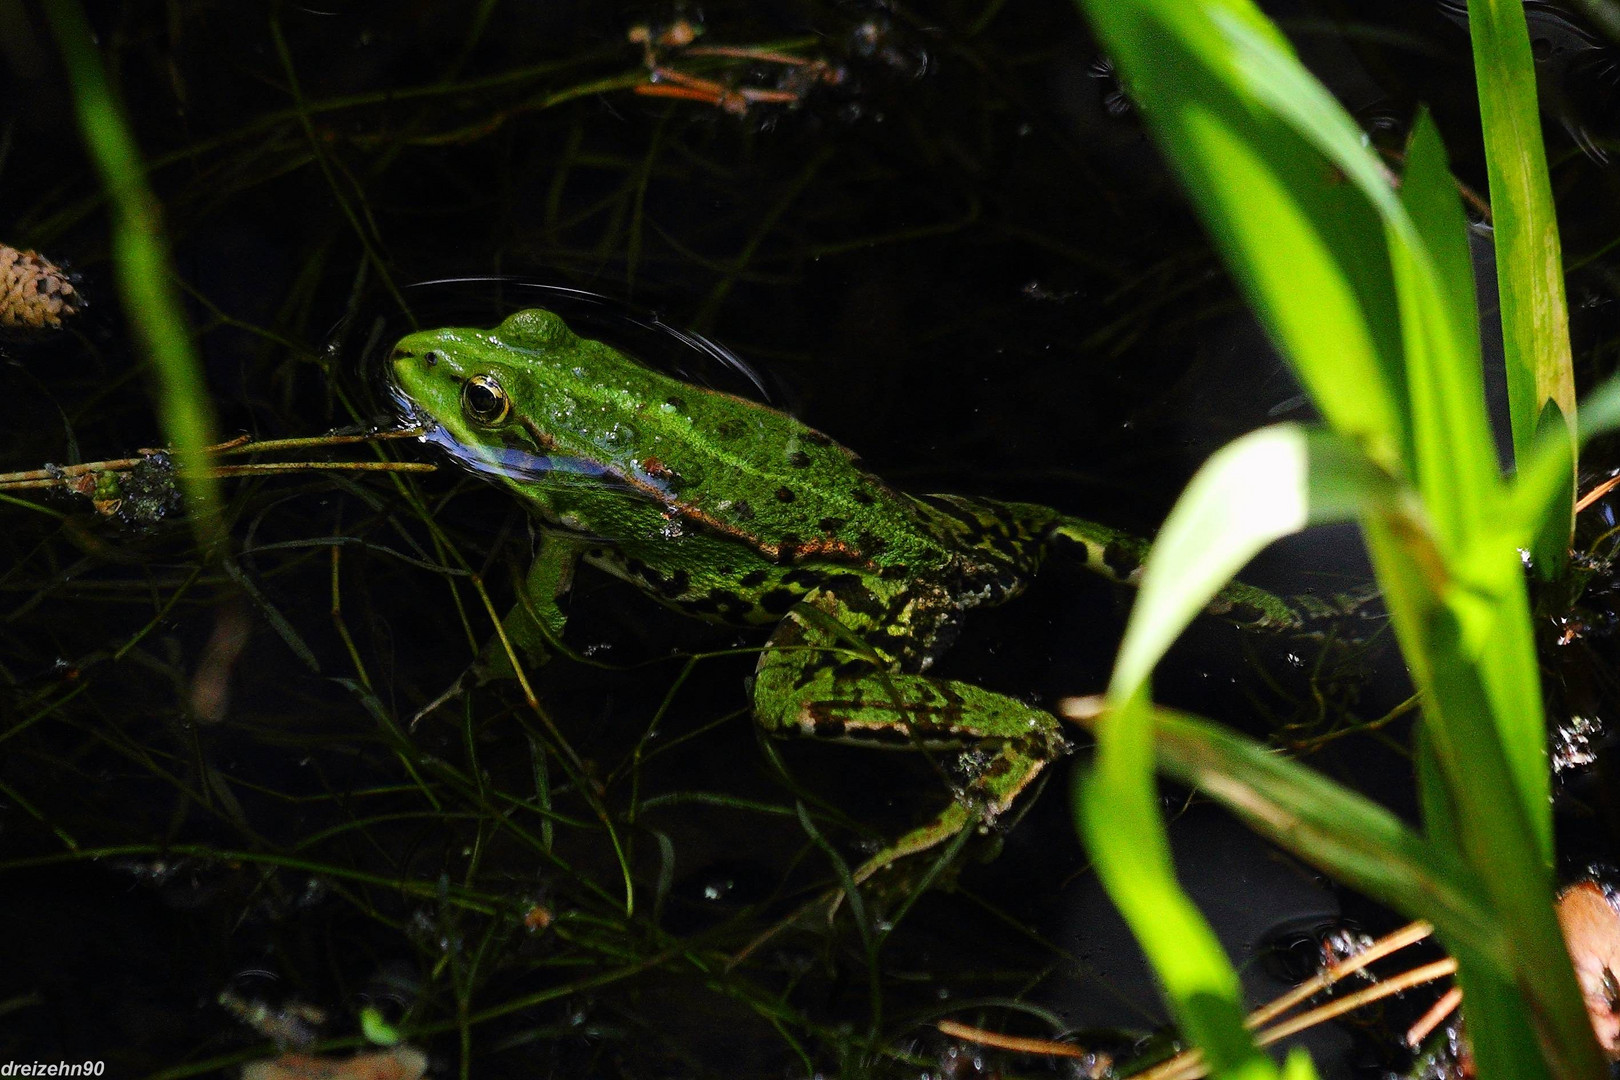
{"x":1118,"y":555}
{"x":819,"y":677}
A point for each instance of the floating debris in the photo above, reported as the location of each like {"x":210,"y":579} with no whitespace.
{"x":292,"y":1024}
{"x":398,"y":1063}
{"x":750,"y":76}
{"x":1591,"y":926}
{"x":34,"y":292}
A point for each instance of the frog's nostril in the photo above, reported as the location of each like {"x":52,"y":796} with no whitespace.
{"x":431,"y":358}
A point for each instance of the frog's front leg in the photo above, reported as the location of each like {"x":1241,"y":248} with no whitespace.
{"x":534,"y":626}
{"x":827,"y":673}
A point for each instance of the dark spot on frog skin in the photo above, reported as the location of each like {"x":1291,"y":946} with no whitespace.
{"x":854,"y":594}
{"x":752,"y":579}
{"x":1121,"y":560}
{"x":777,"y":601}
{"x":898,"y":572}
{"x":785,"y":495}
{"x":742,"y":511}
{"x":805,"y":579}
{"x":676,"y":584}
{"x":823,"y":725}
{"x":862,"y":496}
{"x":799,"y":459}
{"x":871,"y":543}
{"x":729,"y":604}
{"x":816,"y":438}
{"x":831,"y":524}
{"x":678,"y":404}
{"x":731,"y":429}
{"x":702,"y":605}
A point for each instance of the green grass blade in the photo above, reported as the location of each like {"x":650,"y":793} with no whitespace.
{"x":1500,"y":839}
{"x":1499,"y":1029}
{"x":1528,"y":255}
{"x":1266,"y":485}
{"x":1305,"y":245}
{"x":1455,"y":456}
{"x":1331,"y":827}
{"x":1456,"y":471}
{"x":1120,"y":822}
{"x":1529,"y":262}
{"x":145,"y":277}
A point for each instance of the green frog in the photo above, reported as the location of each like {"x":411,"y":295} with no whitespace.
{"x":730,"y":511}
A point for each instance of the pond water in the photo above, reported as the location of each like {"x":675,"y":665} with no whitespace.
{"x":935,"y":232}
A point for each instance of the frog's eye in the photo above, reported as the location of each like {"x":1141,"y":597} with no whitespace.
{"x":483,"y":400}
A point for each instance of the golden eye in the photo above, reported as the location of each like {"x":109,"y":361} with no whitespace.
{"x":483,"y":400}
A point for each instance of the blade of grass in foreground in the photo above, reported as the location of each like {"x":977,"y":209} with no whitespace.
{"x":1284,"y":218}
{"x":1529,"y":262}
{"x":145,"y":277}
{"x":1250,"y":493}
{"x":1332,"y":827}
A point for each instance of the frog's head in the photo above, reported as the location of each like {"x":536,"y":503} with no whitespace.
{"x":530,"y":386}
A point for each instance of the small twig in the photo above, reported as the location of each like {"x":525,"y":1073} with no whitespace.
{"x":57,"y":474}
{"x":1100,"y":1063}
{"x":1410,"y":934}
{"x":318,"y":466}
{"x":740,"y":52}
{"x":1189,"y":1064}
{"x":1597,"y":493}
{"x":1430,"y":1020}
{"x":244,"y":444}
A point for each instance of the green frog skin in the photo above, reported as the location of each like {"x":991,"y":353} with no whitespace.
{"x":733,"y":512}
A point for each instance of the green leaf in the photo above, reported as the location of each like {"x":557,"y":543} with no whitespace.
{"x":1305,"y":245}
{"x":1331,"y":827}
{"x":377,"y":1030}
{"x":1266,"y":485}
{"x":1535,"y":320}
{"x":1455,"y":455}
{"x":1119,"y":819}
{"x":1529,"y":263}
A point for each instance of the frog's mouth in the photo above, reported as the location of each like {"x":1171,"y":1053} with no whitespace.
{"x":516,"y":463}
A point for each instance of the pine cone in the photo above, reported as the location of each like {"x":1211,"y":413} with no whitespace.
{"x":34,"y":292}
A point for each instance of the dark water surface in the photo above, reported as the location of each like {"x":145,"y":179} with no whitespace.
{"x":954,"y":253}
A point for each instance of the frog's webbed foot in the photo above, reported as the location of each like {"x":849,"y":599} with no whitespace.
{"x":813,"y":679}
